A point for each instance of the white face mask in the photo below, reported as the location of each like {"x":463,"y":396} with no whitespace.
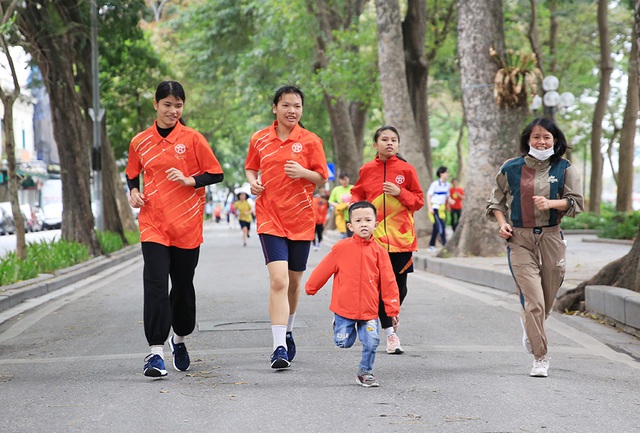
{"x":541,"y":155}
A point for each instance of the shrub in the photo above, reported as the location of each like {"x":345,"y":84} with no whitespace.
{"x":45,"y":257}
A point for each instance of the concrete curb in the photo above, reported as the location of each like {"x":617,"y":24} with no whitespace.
{"x":619,"y":307}
{"x":12,"y":295}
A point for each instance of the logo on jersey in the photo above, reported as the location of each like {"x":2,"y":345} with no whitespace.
{"x":553,"y":179}
{"x":296,"y":147}
{"x":399,"y":179}
{"x":180,"y":150}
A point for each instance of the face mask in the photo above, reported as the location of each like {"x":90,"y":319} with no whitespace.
{"x":541,"y":155}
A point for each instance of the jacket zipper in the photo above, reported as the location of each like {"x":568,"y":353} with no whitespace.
{"x":384,"y":204}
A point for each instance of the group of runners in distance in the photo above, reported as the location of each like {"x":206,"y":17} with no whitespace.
{"x":285,"y":164}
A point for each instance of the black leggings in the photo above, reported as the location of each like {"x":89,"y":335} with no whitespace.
{"x":319,"y":232}
{"x":402,"y":264}
{"x":164,"y":309}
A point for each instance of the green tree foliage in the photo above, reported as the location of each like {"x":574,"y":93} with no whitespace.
{"x":232,"y":56}
{"x":130,"y":69}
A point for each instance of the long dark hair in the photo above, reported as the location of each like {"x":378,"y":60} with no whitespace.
{"x":560,"y":145}
{"x":171,"y":88}
{"x":393,"y":129}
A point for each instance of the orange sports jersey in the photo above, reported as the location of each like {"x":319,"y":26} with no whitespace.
{"x":396,"y":228}
{"x":173,"y":213}
{"x":285,"y":207}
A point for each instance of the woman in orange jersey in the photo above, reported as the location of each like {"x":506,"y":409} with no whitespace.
{"x":285,"y":163}
{"x":391,"y":184}
{"x":176,"y":163}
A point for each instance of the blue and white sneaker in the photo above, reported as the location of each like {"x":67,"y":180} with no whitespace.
{"x":154,"y":366}
{"x":279,"y":358}
{"x":181,"y":359}
{"x":291,"y":347}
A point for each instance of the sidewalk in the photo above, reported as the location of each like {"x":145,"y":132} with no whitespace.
{"x":586,"y":255}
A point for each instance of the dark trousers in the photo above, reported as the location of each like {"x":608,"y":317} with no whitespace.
{"x":438,"y":229}
{"x":402,"y":264}
{"x":164,"y":308}
{"x":319,"y":232}
{"x":455,"y":218}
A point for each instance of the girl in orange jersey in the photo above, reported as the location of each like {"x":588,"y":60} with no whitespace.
{"x":176,"y":163}
{"x":391,"y":184}
{"x":285,"y":163}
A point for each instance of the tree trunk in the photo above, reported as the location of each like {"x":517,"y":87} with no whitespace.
{"x":118,"y":216}
{"x":624,"y":199}
{"x":51,"y":28}
{"x":8,"y":100}
{"x":606,"y":68}
{"x":493,"y":131}
{"x":553,"y":37}
{"x":414,"y":29}
{"x":395,"y":96}
{"x":534,"y":37}
{"x":347,"y":117}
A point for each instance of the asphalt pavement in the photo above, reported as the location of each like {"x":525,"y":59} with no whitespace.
{"x":71,"y":359}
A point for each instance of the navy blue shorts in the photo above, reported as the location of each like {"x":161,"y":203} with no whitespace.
{"x":295,"y":253}
{"x":246,"y":224}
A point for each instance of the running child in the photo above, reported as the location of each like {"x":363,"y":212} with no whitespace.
{"x":362,"y":279}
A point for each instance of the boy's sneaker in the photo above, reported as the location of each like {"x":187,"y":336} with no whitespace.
{"x":279,"y":358}
{"x":291,"y":347}
{"x":181,"y":359}
{"x":367,"y":380}
{"x":540,"y":368}
{"x":393,"y":345}
{"x":431,"y":249}
{"x":525,"y":339}
{"x":154,"y":366}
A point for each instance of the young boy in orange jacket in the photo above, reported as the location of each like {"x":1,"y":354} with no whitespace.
{"x":362,"y":276}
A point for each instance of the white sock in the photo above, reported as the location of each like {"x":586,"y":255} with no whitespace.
{"x":178,"y":339}
{"x":279,"y":336}
{"x":292,"y":318}
{"x":157,"y":350}
{"x":389,"y":331}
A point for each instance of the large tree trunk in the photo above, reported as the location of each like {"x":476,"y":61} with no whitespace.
{"x":348,"y":118}
{"x":493,"y":131}
{"x":624,"y":199}
{"x":606,"y":68}
{"x":414,"y":29}
{"x":395,"y":96}
{"x":53,"y":34}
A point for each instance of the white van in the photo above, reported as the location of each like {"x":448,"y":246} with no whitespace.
{"x":51,"y":204}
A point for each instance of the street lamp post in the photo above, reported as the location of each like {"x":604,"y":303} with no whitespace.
{"x":552,"y":101}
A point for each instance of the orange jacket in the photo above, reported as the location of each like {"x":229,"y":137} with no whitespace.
{"x":396,"y":228}
{"x":362,"y":271}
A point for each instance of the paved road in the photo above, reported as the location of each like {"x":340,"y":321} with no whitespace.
{"x":73,"y":363}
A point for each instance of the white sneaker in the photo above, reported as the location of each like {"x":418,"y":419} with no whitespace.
{"x":393,"y":345}
{"x":525,"y":340}
{"x":431,"y":249}
{"x":540,"y":368}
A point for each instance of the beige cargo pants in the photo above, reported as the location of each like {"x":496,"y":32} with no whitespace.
{"x":537,"y":263}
